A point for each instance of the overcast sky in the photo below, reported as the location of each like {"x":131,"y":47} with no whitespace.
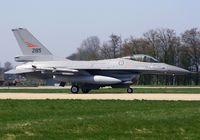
{"x":61,"y":25}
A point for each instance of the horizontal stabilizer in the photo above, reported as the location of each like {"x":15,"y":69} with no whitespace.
{"x":14,"y":71}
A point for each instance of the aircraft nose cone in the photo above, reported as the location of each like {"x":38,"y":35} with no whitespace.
{"x":176,"y":70}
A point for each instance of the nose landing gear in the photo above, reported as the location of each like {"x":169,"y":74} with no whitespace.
{"x":129,"y":90}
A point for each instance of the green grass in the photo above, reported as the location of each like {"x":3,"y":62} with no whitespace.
{"x":108,"y":90}
{"x":98,"y":119}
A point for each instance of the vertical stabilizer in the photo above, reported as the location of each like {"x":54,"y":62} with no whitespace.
{"x":29,"y":44}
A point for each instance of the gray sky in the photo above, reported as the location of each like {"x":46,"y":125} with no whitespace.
{"x":61,"y":25}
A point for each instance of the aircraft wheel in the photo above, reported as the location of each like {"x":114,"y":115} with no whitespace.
{"x":85,"y":90}
{"x":129,"y":90}
{"x":74,"y":89}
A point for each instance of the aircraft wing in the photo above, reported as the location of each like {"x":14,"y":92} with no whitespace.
{"x":53,"y":69}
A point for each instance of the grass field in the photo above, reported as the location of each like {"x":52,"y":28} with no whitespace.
{"x":98,"y":119}
{"x":108,"y":90}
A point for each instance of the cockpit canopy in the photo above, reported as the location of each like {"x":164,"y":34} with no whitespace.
{"x":142,"y":58}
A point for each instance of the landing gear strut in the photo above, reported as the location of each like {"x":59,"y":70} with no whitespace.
{"x":129,"y":90}
{"x":85,"y":90}
{"x":74,"y":89}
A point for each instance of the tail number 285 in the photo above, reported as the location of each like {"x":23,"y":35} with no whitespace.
{"x":36,"y":50}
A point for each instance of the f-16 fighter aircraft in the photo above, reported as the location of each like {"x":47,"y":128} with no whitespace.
{"x":40,"y":63}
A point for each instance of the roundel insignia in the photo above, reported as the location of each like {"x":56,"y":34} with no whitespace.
{"x":121,"y":62}
{"x":128,"y":64}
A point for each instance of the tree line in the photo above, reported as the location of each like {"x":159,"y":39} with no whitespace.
{"x":163,"y":44}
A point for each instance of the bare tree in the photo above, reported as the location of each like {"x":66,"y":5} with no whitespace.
{"x":112,"y":48}
{"x":91,"y":46}
{"x":169,"y":43}
{"x":153,"y":43}
{"x":116,"y":45}
{"x":164,"y":45}
{"x":134,"y":46}
{"x":191,"y":39}
{"x":7,"y":66}
{"x":88,"y":50}
{"x":106,"y":51}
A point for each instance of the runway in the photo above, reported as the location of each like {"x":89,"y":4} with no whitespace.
{"x":68,"y":87}
{"x":125,"y":96}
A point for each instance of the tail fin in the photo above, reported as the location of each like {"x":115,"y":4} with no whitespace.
{"x":29,"y":44}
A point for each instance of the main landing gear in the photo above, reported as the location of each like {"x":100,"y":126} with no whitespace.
{"x":129,"y":90}
{"x":74,"y":89}
{"x":85,"y":90}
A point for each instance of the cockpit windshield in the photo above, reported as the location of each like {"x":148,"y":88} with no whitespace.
{"x":142,"y":58}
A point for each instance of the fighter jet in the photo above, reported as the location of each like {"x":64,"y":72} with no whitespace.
{"x":40,"y":63}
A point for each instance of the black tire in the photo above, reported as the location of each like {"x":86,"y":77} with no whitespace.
{"x":129,"y":90}
{"x":85,"y":90}
{"x":74,"y":89}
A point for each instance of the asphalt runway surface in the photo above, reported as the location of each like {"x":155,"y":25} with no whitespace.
{"x":111,"y":96}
